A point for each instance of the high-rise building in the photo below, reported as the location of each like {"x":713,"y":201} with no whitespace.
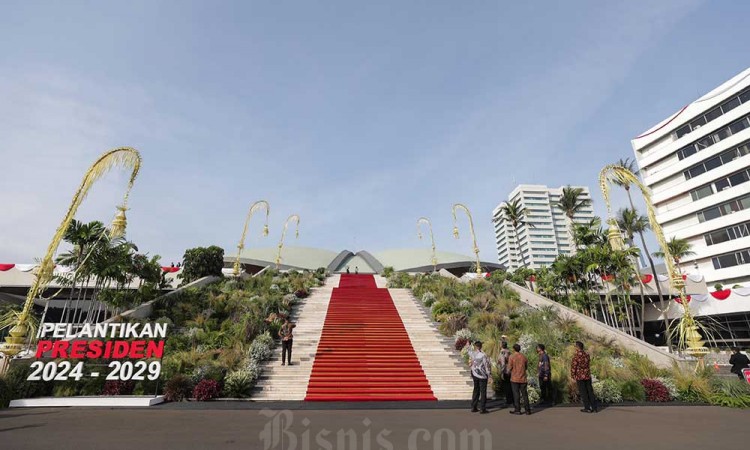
{"x":696,"y":164}
{"x":545,"y":233}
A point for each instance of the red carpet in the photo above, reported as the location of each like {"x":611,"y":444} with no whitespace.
{"x":364,"y":352}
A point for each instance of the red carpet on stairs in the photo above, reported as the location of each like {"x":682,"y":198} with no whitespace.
{"x":364,"y":353}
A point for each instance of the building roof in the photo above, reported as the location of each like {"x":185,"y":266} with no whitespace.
{"x":408,"y":260}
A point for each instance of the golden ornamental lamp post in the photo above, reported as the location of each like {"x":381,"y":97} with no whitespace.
{"x":471,"y":229}
{"x":293,"y":217}
{"x":425,"y":220}
{"x":124,"y":157}
{"x":260,"y":204}
{"x":689,"y":338}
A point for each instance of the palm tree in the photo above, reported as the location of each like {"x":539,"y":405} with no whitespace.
{"x":83,"y":237}
{"x":571,"y":203}
{"x":631,"y":223}
{"x":679,"y":248}
{"x":630,"y":164}
{"x":589,"y":233}
{"x":514,"y":214}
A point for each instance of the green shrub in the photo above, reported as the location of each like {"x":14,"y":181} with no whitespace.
{"x":607,"y":391}
{"x":671,"y":386}
{"x":730,"y":393}
{"x":239,"y":384}
{"x":534,"y":395}
{"x":178,"y":388}
{"x":633,"y":391}
{"x":428,"y":298}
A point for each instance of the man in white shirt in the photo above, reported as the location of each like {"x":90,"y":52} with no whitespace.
{"x":480,"y":373}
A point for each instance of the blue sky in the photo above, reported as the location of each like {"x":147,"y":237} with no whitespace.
{"x":359,"y":116}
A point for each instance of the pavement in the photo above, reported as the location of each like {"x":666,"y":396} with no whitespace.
{"x":616,"y":427}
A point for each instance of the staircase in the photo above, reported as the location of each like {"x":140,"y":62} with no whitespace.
{"x":290,"y":382}
{"x":355,"y":340}
{"x":449,"y":377}
{"x":365,"y":353}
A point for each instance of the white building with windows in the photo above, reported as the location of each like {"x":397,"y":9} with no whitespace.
{"x":545,"y":235}
{"x":696,"y":163}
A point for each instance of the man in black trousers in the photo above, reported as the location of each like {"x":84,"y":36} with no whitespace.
{"x":480,"y":373}
{"x":580,"y":370}
{"x":287,"y":339}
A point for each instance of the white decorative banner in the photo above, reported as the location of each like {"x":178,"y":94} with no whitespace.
{"x":695,"y":277}
{"x":26,"y":267}
{"x":662,"y":278}
{"x":743,"y":291}
{"x":699,"y":297}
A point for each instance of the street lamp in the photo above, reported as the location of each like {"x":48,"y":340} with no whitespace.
{"x":260,"y":204}
{"x":293,"y":217}
{"x":425,"y":220}
{"x":471,"y":229}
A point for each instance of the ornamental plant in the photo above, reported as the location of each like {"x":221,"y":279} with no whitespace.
{"x":117,"y":387}
{"x":206,"y":390}
{"x":655,"y":390}
{"x":633,"y":391}
{"x":239,"y":384}
{"x":461,"y":342}
{"x":428,"y":298}
{"x":607,"y":391}
{"x":178,"y":388}
{"x":671,"y":386}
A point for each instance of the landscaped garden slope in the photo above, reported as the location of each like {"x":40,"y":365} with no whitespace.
{"x":486,"y":309}
{"x":218,"y":336}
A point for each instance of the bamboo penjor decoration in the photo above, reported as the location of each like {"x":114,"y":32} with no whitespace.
{"x":689,"y":338}
{"x":124,"y":157}
{"x":293,"y":217}
{"x":260,"y":204}
{"x":471,"y":230}
{"x":425,"y":220}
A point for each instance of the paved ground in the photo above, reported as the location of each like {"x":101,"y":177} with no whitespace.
{"x":667,"y":427}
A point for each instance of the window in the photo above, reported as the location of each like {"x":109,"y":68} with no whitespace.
{"x":713,"y":114}
{"x":697,"y":123}
{"x":738,"y":178}
{"x":712,"y":163}
{"x":709,"y":214}
{"x":745,"y":96}
{"x":686,"y":151}
{"x":684,"y":130}
{"x":731,"y":259}
{"x":721,"y":184}
{"x":702,"y":192}
{"x":738,"y":126}
{"x":717,"y":237}
{"x":731,"y":104}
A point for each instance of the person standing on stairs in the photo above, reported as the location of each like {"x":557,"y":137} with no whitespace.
{"x":480,"y":373}
{"x":356,"y":269}
{"x":287,"y":338}
{"x":517,"y":366}
{"x":347,"y":270}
